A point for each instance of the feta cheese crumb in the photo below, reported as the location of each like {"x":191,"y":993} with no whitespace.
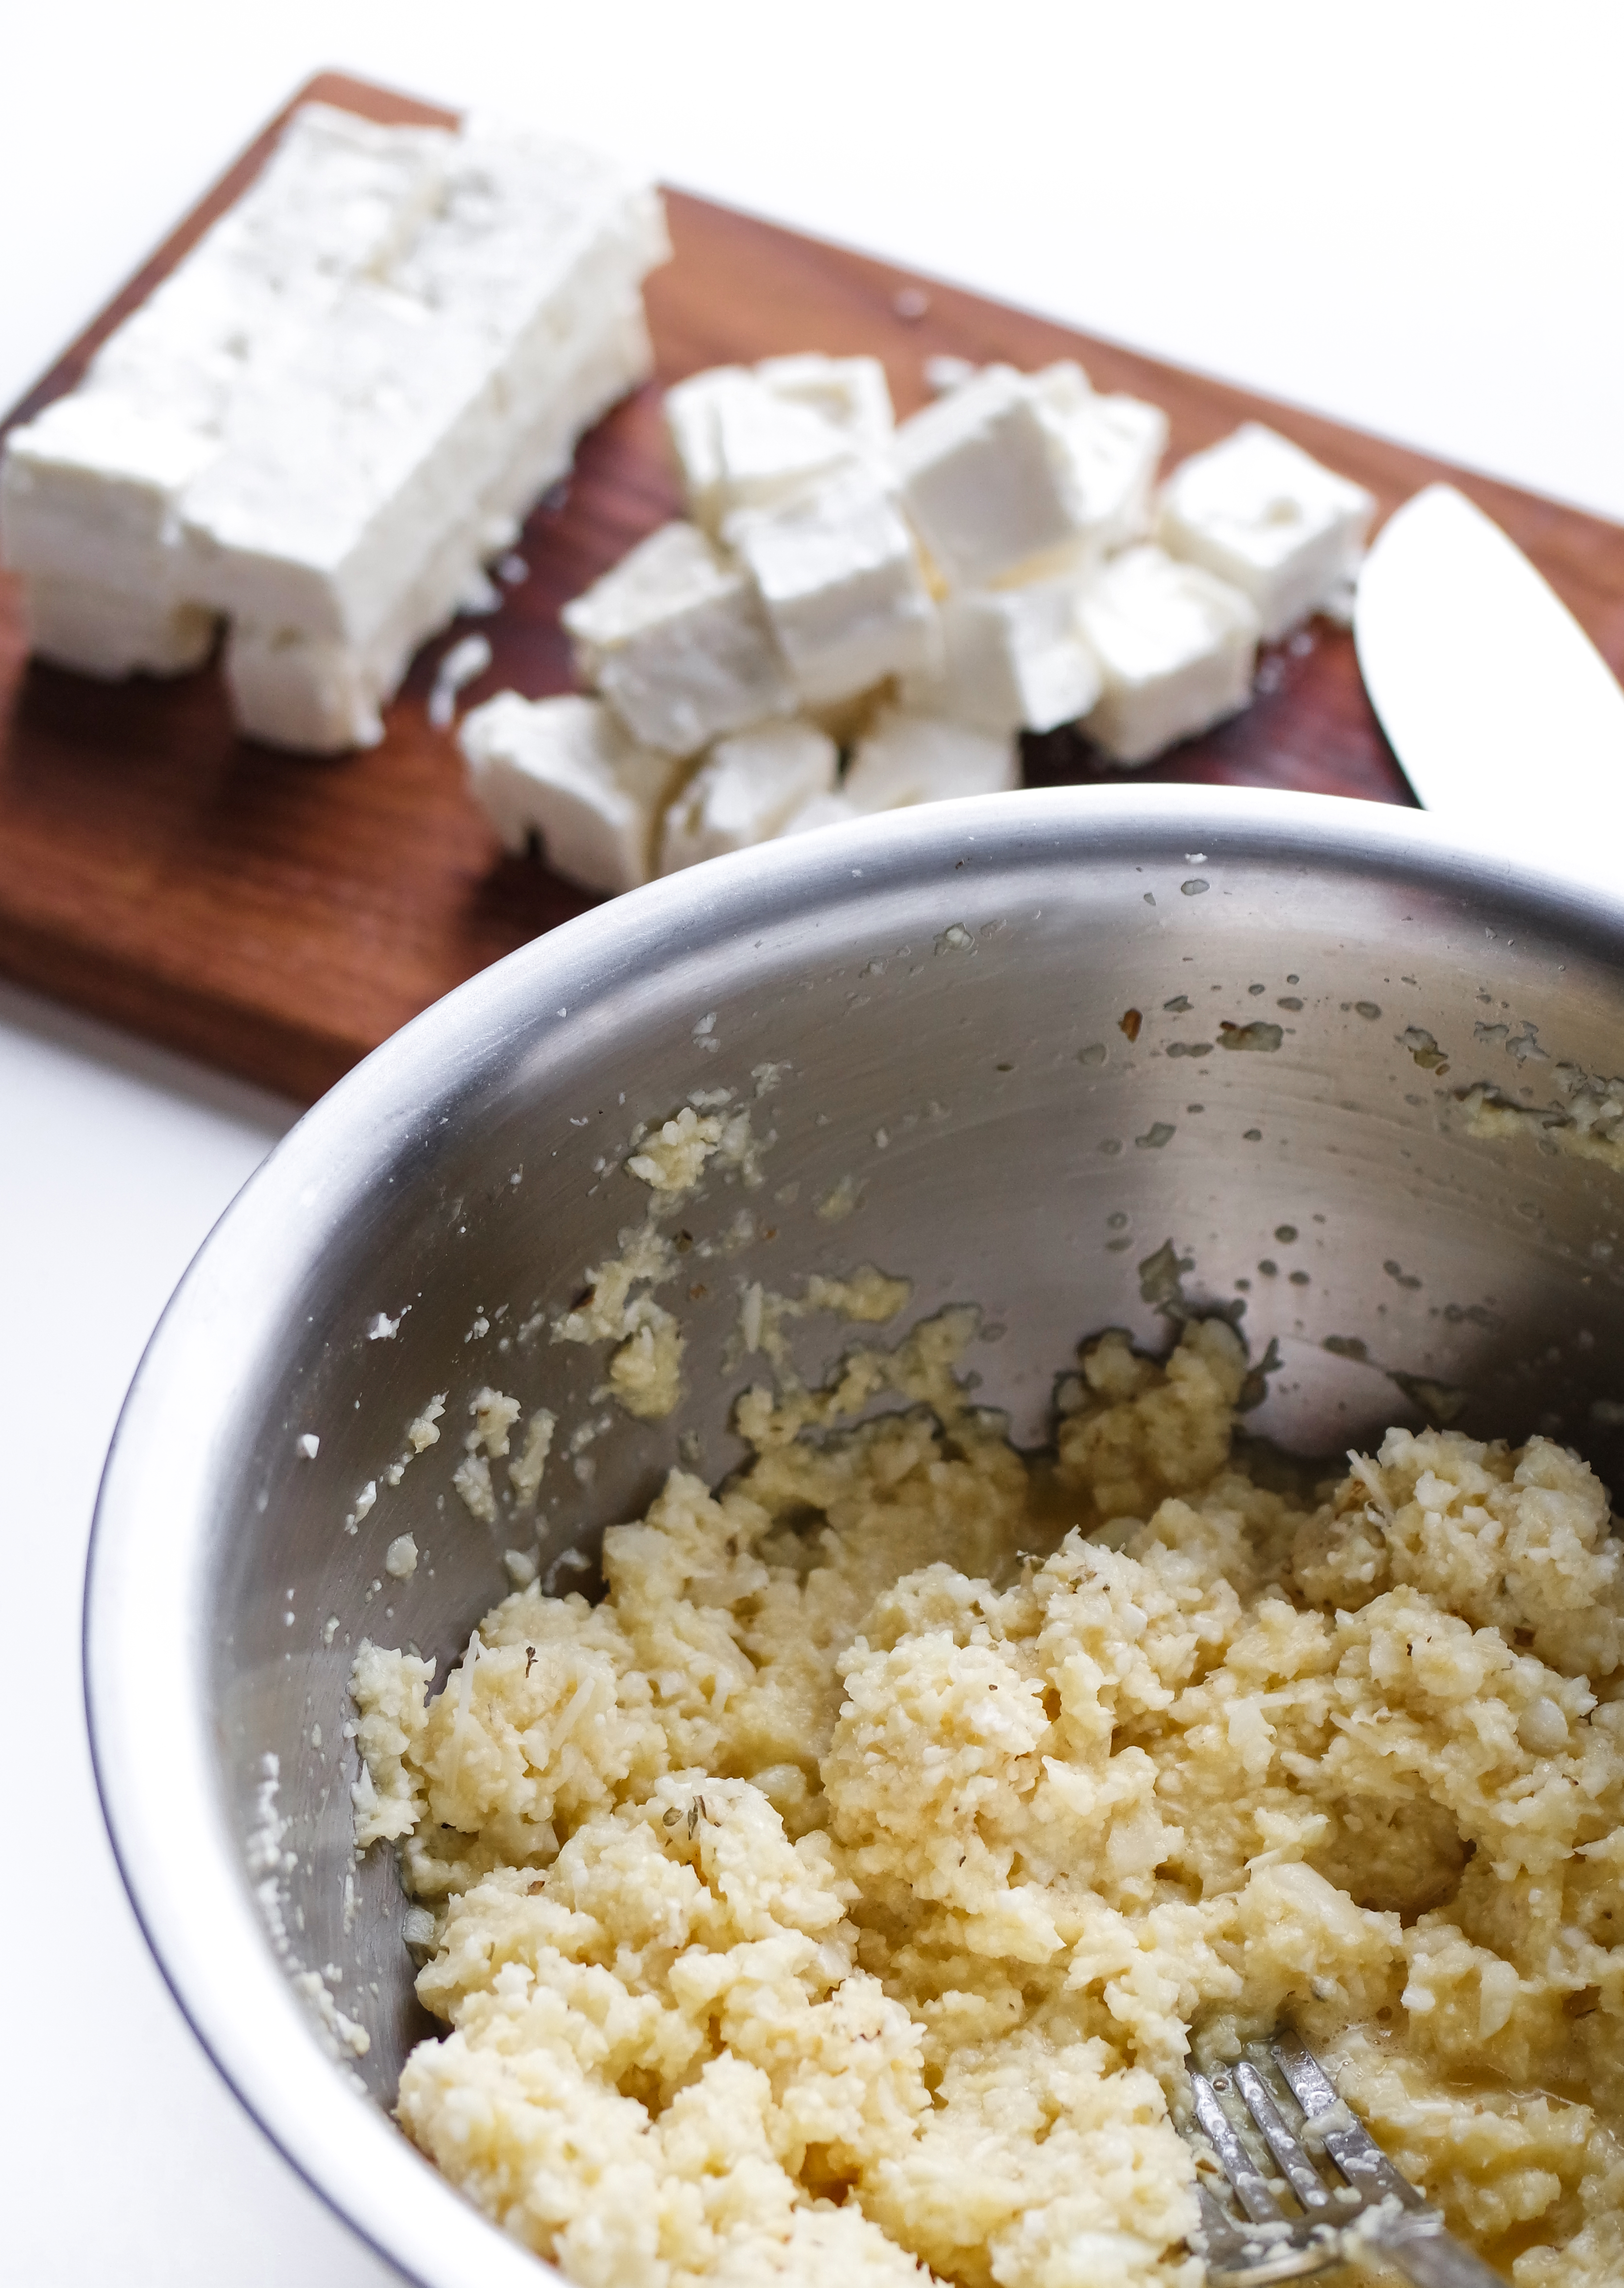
{"x":400,"y":1557}
{"x":645,"y":1373}
{"x":462,"y":664}
{"x":307,"y":1446}
{"x":383,"y":1328}
{"x":521,"y":1567}
{"x":421,"y":1432}
{"x":525,"y":1474}
{"x":472,"y":1480}
{"x":493,"y":1416}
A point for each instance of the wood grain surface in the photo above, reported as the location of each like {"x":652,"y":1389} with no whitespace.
{"x":279,"y":915}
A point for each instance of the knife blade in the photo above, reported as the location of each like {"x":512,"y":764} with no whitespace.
{"x":1498,"y":705}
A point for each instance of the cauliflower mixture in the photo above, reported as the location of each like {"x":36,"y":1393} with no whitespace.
{"x":844,"y":1894}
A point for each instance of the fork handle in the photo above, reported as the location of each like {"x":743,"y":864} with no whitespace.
{"x":1435,"y":2258}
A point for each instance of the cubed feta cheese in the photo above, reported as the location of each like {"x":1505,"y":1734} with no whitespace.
{"x":839,"y":574}
{"x":740,"y":444}
{"x":908,"y":759}
{"x":1175,"y":649}
{"x":676,"y":637}
{"x":987,"y":476}
{"x":746,"y":788}
{"x":568,"y":770}
{"x":1063,"y":386}
{"x":1264,"y":515}
{"x":852,"y":393}
{"x":1114,"y":445}
{"x":312,"y":693}
{"x":1012,"y":659}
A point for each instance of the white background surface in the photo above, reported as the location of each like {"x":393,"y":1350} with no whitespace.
{"x":1410,"y":214}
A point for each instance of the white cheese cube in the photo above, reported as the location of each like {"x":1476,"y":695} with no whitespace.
{"x":1263,"y":514}
{"x":568,"y":770}
{"x":1063,"y":386}
{"x":852,"y":391}
{"x":91,"y":490}
{"x":988,"y":478}
{"x":746,"y":788}
{"x":740,"y":444}
{"x":312,"y":693}
{"x":675,"y":636}
{"x":844,"y":589}
{"x":1012,"y":659}
{"x":1175,"y":649}
{"x":908,"y":759}
{"x":1116,"y":444}
{"x":111,"y":632}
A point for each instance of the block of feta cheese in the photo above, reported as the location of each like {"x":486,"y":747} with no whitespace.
{"x":745,"y":789}
{"x":990,"y":481}
{"x":1263,"y":514}
{"x":337,"y":201}
{"x":741,"y":444}
{"x":568,"y":771}
{"x":366,"y":371}
{"x":908,"y":759}
{"x":1012,"y":659}
{"x":675,"y":636}
{"x":1175,"y":647}
{"x":112,"y":632}
{"x":839,"y":574}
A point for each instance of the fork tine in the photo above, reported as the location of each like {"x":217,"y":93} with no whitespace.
{"x":1298,"y":2172}
{"x":1250,"y":2185}
{"x":1225,"y":2242}
{"x":1234,"y":2259}
{"x":1350,"y":2144}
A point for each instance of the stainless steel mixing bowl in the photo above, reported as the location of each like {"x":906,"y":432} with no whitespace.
{"x":949,"y":996}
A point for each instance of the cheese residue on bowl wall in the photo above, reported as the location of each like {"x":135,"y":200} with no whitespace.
{"x":839,"y":1894}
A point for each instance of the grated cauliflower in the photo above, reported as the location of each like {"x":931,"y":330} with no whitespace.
{"x":841,"y":1898}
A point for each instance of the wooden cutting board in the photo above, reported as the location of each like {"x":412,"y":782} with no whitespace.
{"x":280,"y":916}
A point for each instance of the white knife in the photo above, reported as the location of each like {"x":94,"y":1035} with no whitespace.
{"x":1496,"y":703}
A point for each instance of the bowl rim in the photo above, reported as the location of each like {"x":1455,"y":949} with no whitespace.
{"x":153,"y":1745}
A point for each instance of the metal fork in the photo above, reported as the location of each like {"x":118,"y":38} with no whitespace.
{"x":1374,"y":2206}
